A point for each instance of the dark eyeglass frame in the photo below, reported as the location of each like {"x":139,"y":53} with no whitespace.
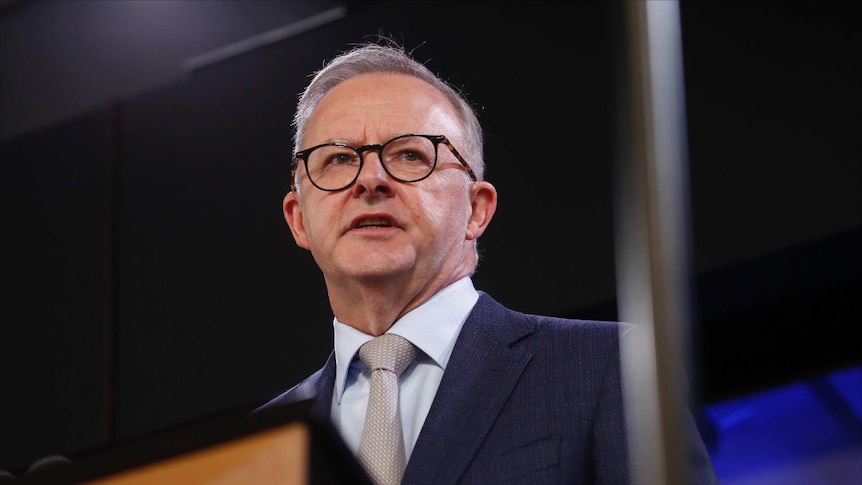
{"x":436,"y":140}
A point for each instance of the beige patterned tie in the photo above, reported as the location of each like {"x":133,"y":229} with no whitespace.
{"x":381,"y":449}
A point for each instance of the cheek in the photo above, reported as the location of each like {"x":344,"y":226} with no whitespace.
{"x":319,"y":220}
{"x":445,"y":210}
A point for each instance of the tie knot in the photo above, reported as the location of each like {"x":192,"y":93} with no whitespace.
{"x":388,"y":351}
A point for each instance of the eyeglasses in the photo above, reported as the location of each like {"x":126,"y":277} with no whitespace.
{"x":406,"y":158}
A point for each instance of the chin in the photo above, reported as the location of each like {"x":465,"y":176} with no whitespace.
{"x":381,"y":266}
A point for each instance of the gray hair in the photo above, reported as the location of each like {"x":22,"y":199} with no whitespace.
{"x":370,"y":58}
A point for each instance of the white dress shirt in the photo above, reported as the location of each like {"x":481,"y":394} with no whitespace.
{"x":433,"y":328}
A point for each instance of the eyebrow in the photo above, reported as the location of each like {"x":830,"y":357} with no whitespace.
{"x":356,"y":144}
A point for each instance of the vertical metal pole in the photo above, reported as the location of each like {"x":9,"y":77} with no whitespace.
{"x":652,"y":249}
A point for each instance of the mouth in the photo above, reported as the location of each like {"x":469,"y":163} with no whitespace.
{"x":372,"y":222}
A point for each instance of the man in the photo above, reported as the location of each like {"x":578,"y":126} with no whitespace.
{"x":389,"y":197}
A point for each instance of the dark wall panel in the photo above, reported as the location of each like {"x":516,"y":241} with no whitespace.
{"x":774,"y":103}
{"x":213,"y":292}
{"x":52,"y":201}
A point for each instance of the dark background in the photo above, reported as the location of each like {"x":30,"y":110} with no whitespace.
{"x":150,"y":279}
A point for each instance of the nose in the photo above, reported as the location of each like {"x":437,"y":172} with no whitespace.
{"x":372,"y":178}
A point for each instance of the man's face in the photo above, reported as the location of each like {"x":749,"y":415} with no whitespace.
{"x":380,"y":230}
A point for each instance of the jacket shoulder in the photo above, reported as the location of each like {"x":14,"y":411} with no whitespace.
{"x":307,"y":389}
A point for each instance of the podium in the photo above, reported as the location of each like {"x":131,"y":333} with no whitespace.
{"x":286,"y":445}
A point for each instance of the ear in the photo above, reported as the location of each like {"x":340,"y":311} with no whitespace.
{"x":293,"y":216}
{"x":483,"y":204}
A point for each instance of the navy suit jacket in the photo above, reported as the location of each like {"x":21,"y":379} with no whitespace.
{"x":525,"y":399}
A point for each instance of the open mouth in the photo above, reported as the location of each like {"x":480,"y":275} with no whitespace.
{"x":373,"y":222}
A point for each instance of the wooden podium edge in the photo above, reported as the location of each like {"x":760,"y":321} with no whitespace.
{"x":286,"y":444}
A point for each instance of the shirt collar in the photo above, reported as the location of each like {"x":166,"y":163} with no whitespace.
{"x":432,"y":327}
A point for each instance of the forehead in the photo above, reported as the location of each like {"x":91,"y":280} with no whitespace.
{"x":372,"y":108}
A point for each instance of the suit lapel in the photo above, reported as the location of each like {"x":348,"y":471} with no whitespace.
{"x":324,"y":388}
{"x":478,"y":380}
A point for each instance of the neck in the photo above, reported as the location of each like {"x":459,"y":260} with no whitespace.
{"x":374,"y":308}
